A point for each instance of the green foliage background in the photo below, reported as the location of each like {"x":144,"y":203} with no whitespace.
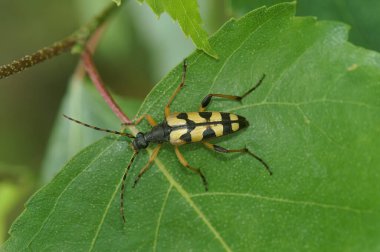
{"x":315,"y":120}
{"x":362,"y":16}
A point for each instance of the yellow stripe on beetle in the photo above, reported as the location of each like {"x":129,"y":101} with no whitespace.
{"x":172,"y":120}
{"x":215,"y":117}
{"x":195,"y":117}
{"x":218,"y":129}
{"x":175,"y":135}
{"x":235,"y":126}
{"x":197,"y":133}
{"x":233,"y":117}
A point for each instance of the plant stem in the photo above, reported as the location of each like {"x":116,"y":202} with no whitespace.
{"x":97,"y":80}
{"x":78,"y":38}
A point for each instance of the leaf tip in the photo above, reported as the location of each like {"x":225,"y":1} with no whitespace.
{"x":117,"y":2}
{"x":211,"y":53}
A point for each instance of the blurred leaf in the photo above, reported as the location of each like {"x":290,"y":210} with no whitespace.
{"x":16,"y":184}
{"x":241,"y":7}
{"x":10,"y":195}
{"x":186,"y":13}
{"x":315,"y":120}
{"x":84,"y":103}
{"x":362,"y":16}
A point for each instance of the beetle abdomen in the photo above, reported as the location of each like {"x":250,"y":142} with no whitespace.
{"x":198,"y":126}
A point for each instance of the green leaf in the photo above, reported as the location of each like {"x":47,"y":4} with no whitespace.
{"x":83,"y":102}
{"x":315,"y":120}
{"x":362,"y":16}
{"x":186,"y":13}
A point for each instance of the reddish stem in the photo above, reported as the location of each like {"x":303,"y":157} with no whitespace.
{"x":90,"y":68}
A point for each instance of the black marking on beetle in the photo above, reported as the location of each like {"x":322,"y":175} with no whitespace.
{"x":208,"y":133}
{"x":206,"y":115}
{"x":190,"y":125}
{"x":186,"y":137}
{"x":182,"y":116}
{"x":226,"y":122}
{"x":243,"y":123}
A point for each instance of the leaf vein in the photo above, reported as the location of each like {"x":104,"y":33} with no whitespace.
{"x":263,"y":103}
{"x":284,"y":200}
{"x":105,"y":214}
{"x":191,"y":21}
{"x":187,"y":197}
{"x":160,"y":216}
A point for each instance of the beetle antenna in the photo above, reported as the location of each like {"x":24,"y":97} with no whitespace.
{"x":100,"y":129}
{"x":123,"y":186}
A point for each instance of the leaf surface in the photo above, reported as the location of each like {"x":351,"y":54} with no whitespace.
{"x":315,"y":120}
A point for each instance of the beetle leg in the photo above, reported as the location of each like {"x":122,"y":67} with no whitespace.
{"x":146,"y":167}
{"x":167,"y":107}
{"x":205,"y":102}
{"x":220,"y":149}
{"x":183,"y":161}
{"x":148,"y":117}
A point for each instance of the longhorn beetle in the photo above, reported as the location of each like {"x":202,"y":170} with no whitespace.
{"x":182,"y":128}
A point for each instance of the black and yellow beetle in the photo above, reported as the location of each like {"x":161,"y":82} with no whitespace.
{"x":182,"y":128}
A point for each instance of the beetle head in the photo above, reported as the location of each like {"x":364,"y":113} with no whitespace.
{"x":140,"y":142}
